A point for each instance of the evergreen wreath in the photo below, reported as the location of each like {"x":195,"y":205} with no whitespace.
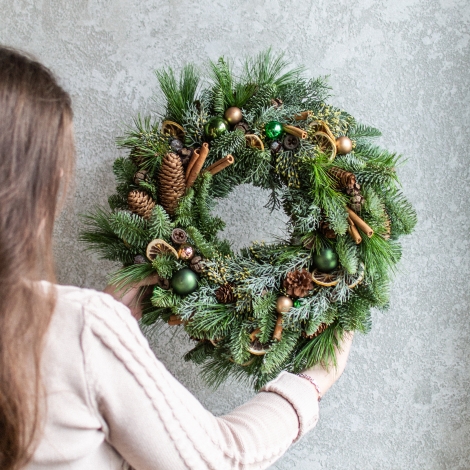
{"x":271,"y":307}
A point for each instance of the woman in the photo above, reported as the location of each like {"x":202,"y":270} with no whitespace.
{"x":79,"y":386}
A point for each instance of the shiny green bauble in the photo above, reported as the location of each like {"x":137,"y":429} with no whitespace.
{"x":184,"y":281}
{"x":273,"y":129}
{"x":215,"y":127}
{"x":297,"y":303}
{"x":325,"y":261}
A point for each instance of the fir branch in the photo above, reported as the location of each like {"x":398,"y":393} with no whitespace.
{"x":228,"y":143}
{"x":159,"y":224}
{"x":239,"y":343}
{"x":279,"y":352}
{"x":347,"y":252}
{"x":165,"y":265}
{"x":131,"y":228}
{"x":207,"y":249}
{"x":361,"y":130}
{"x":184,"y":210}
{"x":402,"y":214}
{"x":164,"y":298}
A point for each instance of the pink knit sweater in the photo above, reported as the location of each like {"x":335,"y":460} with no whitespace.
{"x":110,"y":402}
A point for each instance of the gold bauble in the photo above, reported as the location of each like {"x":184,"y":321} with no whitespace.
{"x":283,"y":304}
{"x":185,"y":252}
{"x":343,"y":145}
{"x":233,"y":115}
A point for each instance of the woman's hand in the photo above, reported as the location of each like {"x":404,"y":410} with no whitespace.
{"x":326,"y":377}
{"x":131,"y":296}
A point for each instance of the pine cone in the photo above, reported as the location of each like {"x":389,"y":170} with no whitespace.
{"x":320,"y":329}
{"x":357,"y":199}
{"x":345,"y":179}
{"x":197,"y":264}
{"x":171,"y":182}
{"x":326,"y":229}
{"x":298,"y":283}
{"x":225,"y":294}
{"x":140,"y":203}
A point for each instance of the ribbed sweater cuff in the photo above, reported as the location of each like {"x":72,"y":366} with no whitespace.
{"x":301,"y":395}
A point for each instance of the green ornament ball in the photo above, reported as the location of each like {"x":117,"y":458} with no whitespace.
{"x":184,"y":281}
{"x":297,"y":303}
{"x":273,"y":129}
{"x":215,"y":127}
{"x":325,"y":261}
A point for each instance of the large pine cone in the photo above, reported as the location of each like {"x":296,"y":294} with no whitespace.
{"x":298,"y":283}
{"x":171,"y":182}
{"x":345,"y":179}
{"x":140,"y":203}
{"x":225,"y":294}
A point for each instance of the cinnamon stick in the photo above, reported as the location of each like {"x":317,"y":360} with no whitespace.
{"x":197,"y":166}
{"x":278,"y":328}
{"x":303,"y":116}
{"x":360,"y":223}
{"x":352,"y":230}
{"x":300,"y":133}
{"x":191,"y":163}
{"x":219,"y":165}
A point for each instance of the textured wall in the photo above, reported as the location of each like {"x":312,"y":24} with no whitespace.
{"x":399,"y":65}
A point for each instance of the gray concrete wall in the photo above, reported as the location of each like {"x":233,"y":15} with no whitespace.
{"x":399,"y":65}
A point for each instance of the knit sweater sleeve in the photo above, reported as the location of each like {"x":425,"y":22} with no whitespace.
{"x":154,"y":422}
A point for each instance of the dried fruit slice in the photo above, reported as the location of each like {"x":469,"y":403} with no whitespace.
{"x":254,"y":141}
{"x":173,"y":128}
{"x":353,"y":280}
{"x":158,"y":247}
{"x":256,"y":347}
{"x":322,"y":126}
{"x":325,"y":279}
{"x":325,"y":143}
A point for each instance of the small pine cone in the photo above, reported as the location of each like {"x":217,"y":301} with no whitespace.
{"x":185,"y":155}
{"x":320,"y":329}
{"x":298,"y":283}
{"x":345,"y":179}
{"x":140,"y":176}
{"x":354,"y":190}
{"x":224,"y":294}
{"x":242,"y":126}
{"x":140,"y":203}
{"x":171,"y":182}
{"x":276,"y":102}
{"x":326,"y":229}
{"x":356,"y":202}
{"x":197,"y":264}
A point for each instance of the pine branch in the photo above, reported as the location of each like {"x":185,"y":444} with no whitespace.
{"x":130,"y":228}
{"x":180,"y":94}
{"x":159,"y":225}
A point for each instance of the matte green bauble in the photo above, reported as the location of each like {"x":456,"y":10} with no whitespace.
{"x":273,"y":129}
{"x":325,"y":261}
{"x":184,"y":281}
{"x":215,"y":127}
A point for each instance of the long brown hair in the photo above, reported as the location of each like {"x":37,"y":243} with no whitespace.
{"x":36,"y":158}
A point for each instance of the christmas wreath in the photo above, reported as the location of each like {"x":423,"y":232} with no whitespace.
{"x":271,"y":307}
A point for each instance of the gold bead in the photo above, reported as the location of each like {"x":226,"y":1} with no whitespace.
{"x":343,"y":145}
{"x":283,"y":304}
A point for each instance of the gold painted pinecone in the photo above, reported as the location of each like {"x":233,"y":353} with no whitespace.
{"x":298,"y":283}
{"x":171,"y":182}
{"x":140,"y":203}
{"x":224,"y":294}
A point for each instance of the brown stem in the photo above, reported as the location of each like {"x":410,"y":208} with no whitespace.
{"x":219,"y":165}
{"x":196,"y":168}
{"x":278,"y":328}
{"x":300,"y":133}
{"x":358,"y":222}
